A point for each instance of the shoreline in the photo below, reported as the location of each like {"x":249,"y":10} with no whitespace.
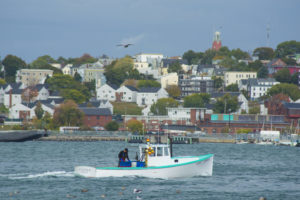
{"x":85,"y":138}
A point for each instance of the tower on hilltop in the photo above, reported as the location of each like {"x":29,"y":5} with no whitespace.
{"x":217,"y":44}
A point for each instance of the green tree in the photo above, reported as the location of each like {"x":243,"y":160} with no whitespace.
{"x":135,"y":126}
{"x":60,"y":82}
{"x":91,"y":86}
{"x":264,"y":53}
{"x":295,"y":78}
{"x":289,"y":89}
{"x":208,"y":56}
{"x":283,"y":75}
{"x":262,"y":72}
{"x":112,"y":126}
{"x":43,"y":62}
{"x":85,"y":58}
{"x":3,"y":109}
{"x":39,"y":112}
{"x":287,"y":48}
{"x":173,"y":91}
{"x":118,"y":71}
{"x":226,"y":104}
{"x":77,"y":77}
{"x":218,"y":82}
{"x":196,"y":100}
{"x":2,"y":81}
{"x":232,"y":88}
{"x":289,"y":61}
{"x":224,"y":51}
{"x":160,"y":107}
{"x":68,"y":114}
{"x":238,"y":54}
{"x":11,"y":65}
{"x":73,"y":94}
{"x":148,"y":83}
{"x":254,"y":110}
{"x":192,"y":57}
{"x":175,"y":67}
{"x":256,"y":65}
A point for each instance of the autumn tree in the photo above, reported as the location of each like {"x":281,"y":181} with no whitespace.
{"x":68,"y":114}
{"x":173,"y":91}
{"x":160,"y":107}
{"x":135,"y":126}
{"x":29,"y":94}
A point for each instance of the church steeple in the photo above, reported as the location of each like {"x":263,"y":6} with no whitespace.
{"x":217,"y":44}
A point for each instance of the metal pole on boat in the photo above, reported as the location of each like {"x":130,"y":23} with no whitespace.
{"x":171,"y":145}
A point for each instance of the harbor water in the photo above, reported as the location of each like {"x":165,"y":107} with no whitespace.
{"x":44,"y":170}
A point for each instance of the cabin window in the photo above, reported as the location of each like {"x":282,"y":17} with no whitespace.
{"x":166,"y":152}
{"x":159,"y":151}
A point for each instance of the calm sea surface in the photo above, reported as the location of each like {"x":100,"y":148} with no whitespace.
{"x":44,"y":170}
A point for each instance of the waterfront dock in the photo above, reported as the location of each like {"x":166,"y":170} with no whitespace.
{"x":127,"y":137}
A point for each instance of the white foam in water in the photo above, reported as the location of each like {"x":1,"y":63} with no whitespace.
{"x":45,"y":174}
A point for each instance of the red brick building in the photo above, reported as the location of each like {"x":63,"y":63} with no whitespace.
{"x":96,"y":117}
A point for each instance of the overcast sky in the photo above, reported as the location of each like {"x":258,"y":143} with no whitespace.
{"x":70,"y":28}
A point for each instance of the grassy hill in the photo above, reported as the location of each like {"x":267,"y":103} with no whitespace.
{"x":122,"y":108}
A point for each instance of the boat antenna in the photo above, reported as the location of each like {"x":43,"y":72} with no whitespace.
{"x":171,"y":145}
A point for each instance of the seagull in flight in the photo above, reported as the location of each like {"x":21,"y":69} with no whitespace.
{"x":124,"y":45}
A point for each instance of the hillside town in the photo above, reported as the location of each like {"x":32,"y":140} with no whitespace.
{"x":216,"y":91}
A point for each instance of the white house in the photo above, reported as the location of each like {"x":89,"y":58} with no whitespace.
{"x":126,"y":93}
{"x":19,"y":111}
{"x":149,"y":95}
{"x":67,"y":69}
{"x":107,"y":92}
{"x":169,"y":79}
{"x":13,"y":97}
{"x":43,"y":92}
{"x":259,"y":87}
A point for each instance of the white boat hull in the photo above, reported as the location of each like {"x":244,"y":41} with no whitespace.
{"x":203,"y":166}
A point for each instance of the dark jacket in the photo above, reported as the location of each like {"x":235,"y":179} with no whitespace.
{"x":123,"y":155}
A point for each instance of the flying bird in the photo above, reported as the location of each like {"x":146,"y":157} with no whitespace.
{"x":124,"y":45}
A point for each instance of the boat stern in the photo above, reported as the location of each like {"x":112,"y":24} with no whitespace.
{"x":85,"y":171}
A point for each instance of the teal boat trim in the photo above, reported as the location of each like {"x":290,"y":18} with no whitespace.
{"x":201,"y":158}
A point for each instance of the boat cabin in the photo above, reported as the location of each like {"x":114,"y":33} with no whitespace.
{"x":158,"y":154}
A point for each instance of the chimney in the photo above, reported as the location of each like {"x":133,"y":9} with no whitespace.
{"x":10,"y":98}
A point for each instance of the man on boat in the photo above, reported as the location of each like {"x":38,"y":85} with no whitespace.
{"x":123,"y":155}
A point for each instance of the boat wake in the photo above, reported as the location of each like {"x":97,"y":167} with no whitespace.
{"x":39,"y":175}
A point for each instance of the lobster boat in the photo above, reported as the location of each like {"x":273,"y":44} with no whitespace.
{"x":154,"y":161}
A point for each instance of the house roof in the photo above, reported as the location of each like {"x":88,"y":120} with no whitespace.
{"x":15,"y":91}
{"x":115,"y":87}
{"x":49,"y":100}
{"x":291,"y":105}
{"x":149,"y":89}
{"x":131,"y":88}
{"x":95,"y":111}
{"x":40,"y":86}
